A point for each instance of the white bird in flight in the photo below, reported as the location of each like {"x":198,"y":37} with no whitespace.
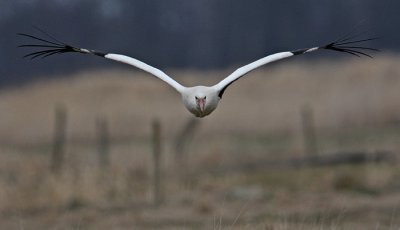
{"x":199,"y":100}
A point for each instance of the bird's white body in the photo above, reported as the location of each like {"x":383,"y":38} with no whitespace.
{"x":199,"y":100}
{"x":191,"y":94}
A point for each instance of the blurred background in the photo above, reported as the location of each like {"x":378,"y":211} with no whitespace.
{"x":306,"y":143}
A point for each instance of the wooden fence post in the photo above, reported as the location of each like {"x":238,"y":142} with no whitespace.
{"x":103,"y":143}
{"x":182,"y":141}
{"x":60,"y":124}
{"x":309,"y":134}
{"x":156,"y":185}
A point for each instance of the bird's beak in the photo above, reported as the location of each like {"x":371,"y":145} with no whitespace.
{"x":201,"y":102}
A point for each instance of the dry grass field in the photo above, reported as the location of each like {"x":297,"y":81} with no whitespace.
{"x":356,"y":107}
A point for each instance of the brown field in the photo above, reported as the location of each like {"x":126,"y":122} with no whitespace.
{"x":356,"y":108}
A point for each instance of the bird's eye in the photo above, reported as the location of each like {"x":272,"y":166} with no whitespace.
{"x":205,"y":97}
{"x":196,"y":97}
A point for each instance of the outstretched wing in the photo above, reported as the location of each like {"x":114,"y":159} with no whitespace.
{"x":48,"y":48}
{"x":345,"y":45}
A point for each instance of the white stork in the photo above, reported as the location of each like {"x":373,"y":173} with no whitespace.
{"x":199,"y":100}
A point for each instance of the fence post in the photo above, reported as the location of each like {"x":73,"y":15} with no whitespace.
{"x":182,"y":141}
{"x":60,"y":124}
{"x":156,"y":185}
{"x":309,"y":134}
{"x":103,"y":143}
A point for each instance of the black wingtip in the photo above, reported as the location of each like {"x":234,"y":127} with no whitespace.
{"x":51,"y":47}
{"x":350,"y":45}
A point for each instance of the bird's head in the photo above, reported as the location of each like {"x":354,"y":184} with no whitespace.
{"x":200,"y":100}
